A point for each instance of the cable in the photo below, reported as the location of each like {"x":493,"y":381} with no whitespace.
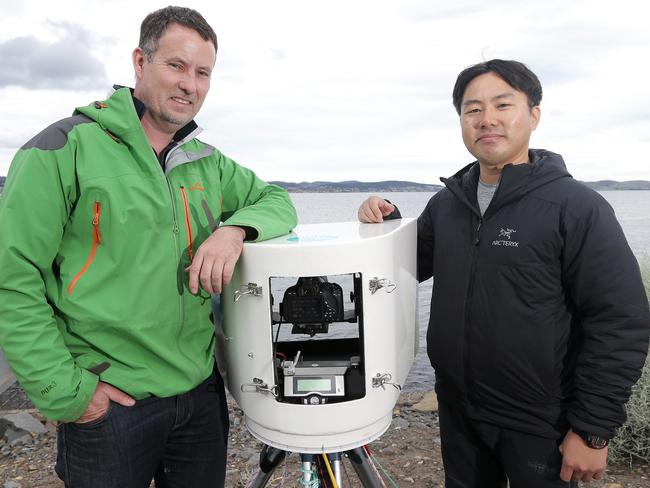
{"x":374,"y":468}
{"x":277,"y":334}
{"x":376,"y":461}
{"x":313,"y":483}
{"x":275,"y":347}
{"x":321,"y":475}
{"x":329,"y":470}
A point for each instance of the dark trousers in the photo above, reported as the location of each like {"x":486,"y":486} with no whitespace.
{"x":179,"y":441}
{"x":480,"y":455}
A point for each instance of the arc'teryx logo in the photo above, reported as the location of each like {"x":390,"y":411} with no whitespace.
{"x":196,"y":187}
{"x":507,"y":242}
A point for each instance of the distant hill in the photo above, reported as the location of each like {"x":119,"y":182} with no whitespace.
{"x":392,"y":185}
{"x":355,"y":186}
{"x":605,"y":185}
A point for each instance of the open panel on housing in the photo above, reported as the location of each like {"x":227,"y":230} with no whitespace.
{"x":317,"y":338}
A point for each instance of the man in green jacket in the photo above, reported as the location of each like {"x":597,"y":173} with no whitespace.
{"x":110,"y":250}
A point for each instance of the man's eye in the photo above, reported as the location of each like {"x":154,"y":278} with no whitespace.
{"x":473,"y":111}
{"x":175,"y":65}
{"x":504,"y":105}
{"x":204,"y":74}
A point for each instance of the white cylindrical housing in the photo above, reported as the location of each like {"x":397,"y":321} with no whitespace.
{"x":383,"y":254}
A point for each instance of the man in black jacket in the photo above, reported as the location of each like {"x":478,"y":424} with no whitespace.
{"x":539,"y":319}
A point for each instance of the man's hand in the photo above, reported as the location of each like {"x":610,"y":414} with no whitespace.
{"x":215,"y":259}
{"x":101,"y":399}
{"x":579,"y":461}
{"x":374,"y":209}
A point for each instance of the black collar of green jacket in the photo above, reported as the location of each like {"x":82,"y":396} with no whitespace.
{"x":141,"y":108}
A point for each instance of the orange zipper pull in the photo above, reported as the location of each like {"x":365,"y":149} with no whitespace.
{"x":98,"y":211}
{"x":188,"y":224}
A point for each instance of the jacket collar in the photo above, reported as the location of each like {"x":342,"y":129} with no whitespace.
{"x":516,"y":179}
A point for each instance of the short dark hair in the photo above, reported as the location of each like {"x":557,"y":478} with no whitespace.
{"x":154,"y":25}
{"x":514,"y":73}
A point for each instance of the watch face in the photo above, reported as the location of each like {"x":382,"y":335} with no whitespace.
{"x":596,"y":442}
{"x":592,"y":440}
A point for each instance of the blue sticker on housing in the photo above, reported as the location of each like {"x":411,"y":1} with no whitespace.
{"x":311,"y":238}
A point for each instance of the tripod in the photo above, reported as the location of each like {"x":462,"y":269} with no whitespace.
{"x":271,"y":457}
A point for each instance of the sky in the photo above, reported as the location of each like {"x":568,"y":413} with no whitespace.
{"x":309,"y":90}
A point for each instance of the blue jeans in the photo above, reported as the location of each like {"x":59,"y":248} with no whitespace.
{"x":178,"y":441}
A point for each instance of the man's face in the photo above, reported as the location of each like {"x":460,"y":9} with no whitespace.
{"x":496,"y":121}
{"x":175,"y":82}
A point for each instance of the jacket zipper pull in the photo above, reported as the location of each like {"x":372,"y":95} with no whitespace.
{"x":476,"y":232}
{"x":97,"y":213}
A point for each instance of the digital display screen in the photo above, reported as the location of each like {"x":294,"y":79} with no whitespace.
{"x":306,"y":385}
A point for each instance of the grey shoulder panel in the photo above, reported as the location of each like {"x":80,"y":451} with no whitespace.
{"x":178,"y":156}
{"x":56,"y":135}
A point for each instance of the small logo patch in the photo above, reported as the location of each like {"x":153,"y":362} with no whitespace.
{"x":196,"y":187}
{"x":48,"y":388}
{"x":507,"y":242}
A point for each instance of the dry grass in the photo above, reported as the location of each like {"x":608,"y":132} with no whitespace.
{"x":632,"y":444}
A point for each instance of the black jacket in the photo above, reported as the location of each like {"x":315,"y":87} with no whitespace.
{"x":539,"y":319}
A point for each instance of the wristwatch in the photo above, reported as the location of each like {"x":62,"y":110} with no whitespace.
{"x":592,"y":440}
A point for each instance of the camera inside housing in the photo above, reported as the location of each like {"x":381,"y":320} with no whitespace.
{"x":320,"y":358}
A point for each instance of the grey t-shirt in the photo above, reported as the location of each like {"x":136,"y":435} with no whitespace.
{"x":484,"y":194}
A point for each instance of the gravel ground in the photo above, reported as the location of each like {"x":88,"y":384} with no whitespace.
{"x":409,"y":451}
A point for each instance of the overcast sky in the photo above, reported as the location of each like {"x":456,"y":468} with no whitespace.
{"x":337,"y":90}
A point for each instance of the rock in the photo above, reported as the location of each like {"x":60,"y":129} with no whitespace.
{"x":428,"y":404}
{"x":400,"y":423}
{"x":612,"y":485}
{"x":12,"y":484}
{"x":20,"y":428}
{"x":17,"y":437}
{"x":254,"y":460}
{"x":24,"y":421}
{"x":389,"y":451}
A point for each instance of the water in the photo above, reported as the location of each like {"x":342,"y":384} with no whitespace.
{"x":631,"y":207}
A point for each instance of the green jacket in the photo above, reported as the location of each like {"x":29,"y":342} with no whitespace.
{"x":94,"y":242}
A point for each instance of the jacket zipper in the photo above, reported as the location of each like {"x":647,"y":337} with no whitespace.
{"x":468,"y":316}
{"x":97,"y":240}
{"x":181,"y":312}
{"x":188,"y":223}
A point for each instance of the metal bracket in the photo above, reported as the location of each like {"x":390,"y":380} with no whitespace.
{"x":382,"y":379}
{"x":250,"y":289}
{"x":377,"y":283}
{"x":258,"y":386}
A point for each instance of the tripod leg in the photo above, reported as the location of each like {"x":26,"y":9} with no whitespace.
{"x":270,"y":458}
{"x":361,"y":464}
{"x":307,"y":479}
{"x":336,"y":466}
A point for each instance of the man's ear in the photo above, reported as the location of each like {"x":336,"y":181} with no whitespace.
{"x":535,"y":114}
{"x":139,"y":59}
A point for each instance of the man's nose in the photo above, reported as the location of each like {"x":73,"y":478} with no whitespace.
{"x":187,"y":83}
{"x":488,"y":117}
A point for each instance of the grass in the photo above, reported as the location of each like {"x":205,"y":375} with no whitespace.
{"x":632,"y":443}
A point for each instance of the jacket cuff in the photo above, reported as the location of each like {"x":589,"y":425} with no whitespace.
{"x":83,"y":396}
{"x":578,"y":424}
{"x":395,"y":214}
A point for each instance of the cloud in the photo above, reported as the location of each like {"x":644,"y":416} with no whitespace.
{"x":66,"y":63}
